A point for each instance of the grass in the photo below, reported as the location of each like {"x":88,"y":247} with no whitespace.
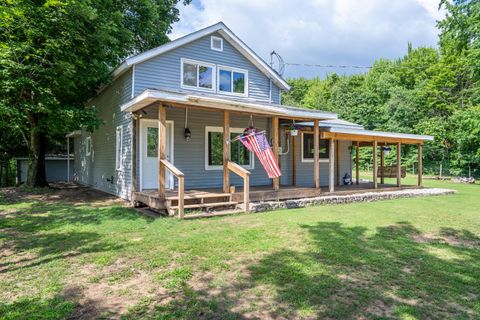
{"x":405,"y":259}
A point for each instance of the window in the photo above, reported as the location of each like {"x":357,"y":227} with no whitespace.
{"x":232,"y":81}
{"x":152,"y":142}
{"x":216,"y":43}
{"x":88,"y":145}
{"x":307,"y":148}
{"x":199,"y":75}
{"x":118,"y":148}
{"x":214,"y":149}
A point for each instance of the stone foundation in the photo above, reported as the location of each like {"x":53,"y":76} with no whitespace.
{"x":339,"y":199}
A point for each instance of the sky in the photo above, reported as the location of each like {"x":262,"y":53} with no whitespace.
{"x":324,"y":32}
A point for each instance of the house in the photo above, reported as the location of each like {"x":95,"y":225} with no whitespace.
{"x":171,"y":116}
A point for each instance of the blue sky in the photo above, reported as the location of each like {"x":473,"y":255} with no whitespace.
{"x":326,"y":32}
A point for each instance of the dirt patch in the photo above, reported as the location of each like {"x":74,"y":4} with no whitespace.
{"x":66,"y":193}
{"x":452,"y":240}
{"x":105,"y":295}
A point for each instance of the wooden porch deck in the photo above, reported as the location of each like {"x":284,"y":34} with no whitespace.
{"x":259,"y":193}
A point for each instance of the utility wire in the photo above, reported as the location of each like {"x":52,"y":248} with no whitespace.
{"x":369,"y":67}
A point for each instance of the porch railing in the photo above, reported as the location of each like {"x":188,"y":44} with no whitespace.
{"x":245,"y":174}
{"x":181,"y":185}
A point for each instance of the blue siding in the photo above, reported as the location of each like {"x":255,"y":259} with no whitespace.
{"x":189,"y":156}
{"x":163,"y":72}
{"x":94,"y":170}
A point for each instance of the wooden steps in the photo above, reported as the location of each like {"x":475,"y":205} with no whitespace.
{"x":207,"y":205}
{"x":200,"y":201}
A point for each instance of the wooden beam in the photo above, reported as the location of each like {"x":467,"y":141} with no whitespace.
{"x":337,"y":163}
{"x":331,"y":164}
{"x":363,"y":138}
{"x":316,"y":164}
{"x":399,"y":165}
{"x":134,"y":155}
{"x":226,"y":151}
{"x":276,"y":181}
{"x":382,"y":166}
{"x":357,"y":165}
{"x":162,"y":143}
{"x":420,"y":165}
{"x":294,"y":160}
{"x":375,"y":169}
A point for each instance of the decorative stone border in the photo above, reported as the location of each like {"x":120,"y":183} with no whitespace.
{"x":339,"y":199}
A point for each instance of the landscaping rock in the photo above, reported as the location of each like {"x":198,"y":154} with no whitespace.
{"x":463,"y":180}
{"x":340,"y":199}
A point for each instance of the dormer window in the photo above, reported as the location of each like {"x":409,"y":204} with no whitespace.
{"x":216,"y":43}
{"x":197,"y":74}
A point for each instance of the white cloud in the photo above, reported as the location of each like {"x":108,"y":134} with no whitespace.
{"x":343,"y":32}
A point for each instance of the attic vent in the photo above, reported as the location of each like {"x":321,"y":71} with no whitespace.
{"x":216,"y":43}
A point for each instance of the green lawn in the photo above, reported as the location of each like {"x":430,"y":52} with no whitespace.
{"x":408,"y":258}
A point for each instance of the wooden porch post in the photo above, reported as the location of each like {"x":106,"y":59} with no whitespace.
{"x":357,"y":165}
{"x":399,"y":165}
{"x":162,"y":142}
{"x":294,"y":160}
{"x":316,"y":165}
{"x":382,"y":166}
{"x":337,"y":162}
{"x":226,"y":151}
{"x":331,"y":164}
{"x":134,"y":155}
{"x":276,"y":181}
{"x":375,"y":169}
{"x":420,"y":165}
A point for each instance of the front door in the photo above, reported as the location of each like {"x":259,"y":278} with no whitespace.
{"x":149,"y":153}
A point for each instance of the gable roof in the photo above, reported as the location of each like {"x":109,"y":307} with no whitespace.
{"x":219,"y":27}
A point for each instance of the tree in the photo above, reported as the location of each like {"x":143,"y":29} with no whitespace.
{"x":54,"y":54}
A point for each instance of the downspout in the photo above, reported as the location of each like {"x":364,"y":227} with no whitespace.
{"x":270,"y":91}
{"x":133,"y":81}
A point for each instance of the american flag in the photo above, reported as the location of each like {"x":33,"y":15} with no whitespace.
{"x":258,"y":144}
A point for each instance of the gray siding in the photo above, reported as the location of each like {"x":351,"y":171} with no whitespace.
{"x":305,"y":169}
{"x":94,"y":170}
{"x":189,"y":156}
{"x":163,"y":72}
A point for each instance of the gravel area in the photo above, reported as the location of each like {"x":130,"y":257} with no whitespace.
{"x":359,"y":197}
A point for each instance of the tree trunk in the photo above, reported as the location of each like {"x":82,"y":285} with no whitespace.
{"x":36,"y":171}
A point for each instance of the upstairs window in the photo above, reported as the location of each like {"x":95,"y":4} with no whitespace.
{"x":232,"y":81}
{"x":308,"y":147}
{"x":199,"y":75}
{"x":216,"y":43}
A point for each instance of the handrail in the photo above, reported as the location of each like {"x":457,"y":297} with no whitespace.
{"x":181,"y":185}
{"x":245,"y":174}
{"x":237,"y":169}
{"x":168,"y":165}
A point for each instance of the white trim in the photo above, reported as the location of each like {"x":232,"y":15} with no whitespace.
{"x":150,"y":96}
{"x":118,"y":156}
{"x":143,"y":122}
{"x":232,"y":70}
{"x":220,"y":129}
{"x":212,"y":39}
{"x":198,"y":63}
{"x":381,"y":134}
{"x":308,"y":160}
{"x":88,"y":146}
{"x":226,"y":33}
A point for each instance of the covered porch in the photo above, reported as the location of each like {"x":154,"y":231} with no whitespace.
{"x":184,"y":195}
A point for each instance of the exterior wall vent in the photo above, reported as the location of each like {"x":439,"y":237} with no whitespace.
{"x":216,"y":43}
